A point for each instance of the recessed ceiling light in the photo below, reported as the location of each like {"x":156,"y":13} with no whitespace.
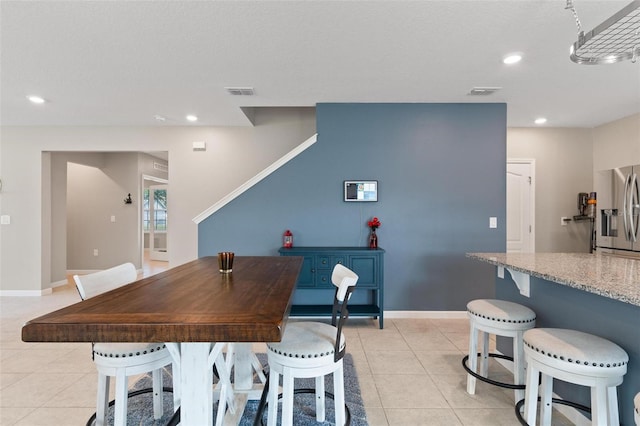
{"x":192,"y":118}
{"x":36,"y":99}
{"x":512,"y":58}
{"x":540,"y":120}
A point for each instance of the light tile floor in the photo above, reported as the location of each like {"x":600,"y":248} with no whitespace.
{"x":409,"y":373}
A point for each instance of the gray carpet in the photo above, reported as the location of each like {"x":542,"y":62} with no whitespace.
{"x":140,"y":408}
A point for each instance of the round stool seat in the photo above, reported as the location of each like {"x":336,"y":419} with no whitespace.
{"x":573,"y":357}
{"x":501,"y":314}
{"x":501,"y":318}
{"x":307,"y":340}
{"x":575,"y":351}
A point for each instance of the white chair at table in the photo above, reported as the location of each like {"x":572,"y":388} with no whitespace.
{"x":312,"y":349}
{"x":125,"y":359}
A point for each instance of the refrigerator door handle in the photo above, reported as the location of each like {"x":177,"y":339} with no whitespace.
{"x":634,"y":207}
{"x":625,"y":207}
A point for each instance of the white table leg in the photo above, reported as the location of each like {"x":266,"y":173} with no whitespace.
{"x":244,"y":365}
{"x":196,"y":379}
{"x":243,"y":371}
{"x":243,"y":387}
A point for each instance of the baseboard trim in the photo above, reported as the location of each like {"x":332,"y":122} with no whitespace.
{"x":47,"y":291}
{"x":81,"y":271}
{"x":90,"y":271}
{"x":25,"y":293}
{"x":426,"y":314}
{"x":59,"y":283}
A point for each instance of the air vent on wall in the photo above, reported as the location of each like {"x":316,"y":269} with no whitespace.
{"x":161,"y":167}
{"x":240,"y":91}
{"x":483,"y":91}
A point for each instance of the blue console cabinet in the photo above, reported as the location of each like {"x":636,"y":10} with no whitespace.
{"x":314,"y":290}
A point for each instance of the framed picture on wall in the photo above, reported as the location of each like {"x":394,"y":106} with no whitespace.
{"x":361,"y":190}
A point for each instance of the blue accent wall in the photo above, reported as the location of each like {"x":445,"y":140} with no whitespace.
{"x":441,"y":172}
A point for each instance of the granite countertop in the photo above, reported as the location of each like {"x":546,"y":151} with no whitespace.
{"x":605,"y":275}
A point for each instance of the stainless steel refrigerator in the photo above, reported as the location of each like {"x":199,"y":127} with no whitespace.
{"x":619,"y":207}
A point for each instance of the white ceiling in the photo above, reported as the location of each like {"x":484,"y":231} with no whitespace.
{"x":122,"y":62}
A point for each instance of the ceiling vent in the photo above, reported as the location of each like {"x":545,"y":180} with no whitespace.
{"x":240,"y":91}
{"x":483,"y":91}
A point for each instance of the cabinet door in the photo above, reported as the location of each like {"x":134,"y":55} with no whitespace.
{"x":307,"y":275}
{"x":365,"y":267}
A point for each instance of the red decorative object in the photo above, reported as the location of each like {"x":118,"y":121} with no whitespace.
{"x":287,"y":239}
{"x":373,"y":237}
{"x":374,"y":223}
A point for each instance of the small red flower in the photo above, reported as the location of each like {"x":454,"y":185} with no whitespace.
{"x":374,"y":223}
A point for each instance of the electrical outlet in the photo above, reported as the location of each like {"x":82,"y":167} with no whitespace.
{"x":563,"y":221}
{"x":95,"y":252}
{"x":113,"y":218}
{"x":493,"y":222}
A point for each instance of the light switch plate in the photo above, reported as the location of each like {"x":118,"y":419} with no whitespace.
{"x":493,"y":222}
{"x":5,"y":219}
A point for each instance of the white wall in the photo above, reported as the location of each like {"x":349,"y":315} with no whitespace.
{"x":617,"y":144}
{"x":58,"y":245}
{"x":197,"y":179}
{"x":93,"y":187}
{"x":95,"y":195}
{"x":564,"y":167}
{"x":566,"y":160}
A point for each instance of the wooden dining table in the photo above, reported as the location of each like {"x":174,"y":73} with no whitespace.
{"x":190,"y":307}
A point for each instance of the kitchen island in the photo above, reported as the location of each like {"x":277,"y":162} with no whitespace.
{"x":594,"y":293}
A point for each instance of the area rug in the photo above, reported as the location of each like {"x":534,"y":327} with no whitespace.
{"x":140,"y":407}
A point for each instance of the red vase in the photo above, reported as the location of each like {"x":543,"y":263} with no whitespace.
{"x":373,"y":239}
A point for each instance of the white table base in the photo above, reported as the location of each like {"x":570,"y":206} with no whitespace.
{"x":196,"y":362}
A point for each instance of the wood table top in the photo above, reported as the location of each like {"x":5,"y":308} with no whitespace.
{"x":192,"y":302}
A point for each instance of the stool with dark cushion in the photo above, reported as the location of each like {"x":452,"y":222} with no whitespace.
{"x":573,"y":357}
{"x":501,"y":318}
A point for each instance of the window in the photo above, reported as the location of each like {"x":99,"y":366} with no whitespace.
{"x":156,"y":212}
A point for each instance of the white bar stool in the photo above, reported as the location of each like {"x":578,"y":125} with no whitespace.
{"x":574,"y":357}
{"x":502,"y":318}
{"x":636,"y":403}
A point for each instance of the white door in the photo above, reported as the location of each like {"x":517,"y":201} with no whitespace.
{"x":158,"y":224}
{"x":520,"y":206}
